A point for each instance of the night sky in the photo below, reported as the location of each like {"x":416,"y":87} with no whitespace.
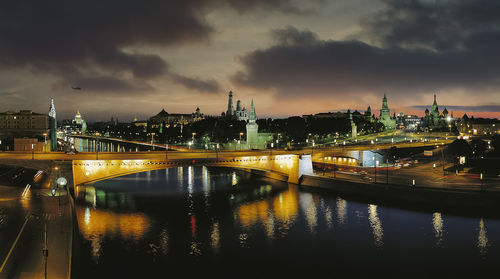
{"x":135,"y":57}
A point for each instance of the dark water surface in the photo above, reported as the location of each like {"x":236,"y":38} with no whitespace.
{"x":220,"y":223}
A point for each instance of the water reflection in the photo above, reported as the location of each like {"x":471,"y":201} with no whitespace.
{"x":341,"y":210}
{"x":308,"y":206}
{"x":215,"y":237}
{"x":212,"y":222}
{"x":482,"y":240}
{"x":437,"y":224}
{"x":376,"y":225}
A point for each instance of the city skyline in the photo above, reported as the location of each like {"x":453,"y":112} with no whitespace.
{"x":292,"y":57}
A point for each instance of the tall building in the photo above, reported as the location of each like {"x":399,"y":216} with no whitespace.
{"x":385,"y":115}
{"x":53,"y":126}
{"x":252,"y":129}
{"x":78,"y":117}
{"x":230,"y":106}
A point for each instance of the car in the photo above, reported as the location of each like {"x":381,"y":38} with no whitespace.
{"x":71,"y":152}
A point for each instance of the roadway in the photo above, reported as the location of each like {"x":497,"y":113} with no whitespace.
{"x":24,"y":214}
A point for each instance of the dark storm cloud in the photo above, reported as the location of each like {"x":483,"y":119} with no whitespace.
{"x":422,"y":46}
{"x":71,"y":38}
{"x":485,"y":108}
{"x":203,"y":86}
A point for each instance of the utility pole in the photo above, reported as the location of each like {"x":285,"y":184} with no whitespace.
{"x":334,"y":173}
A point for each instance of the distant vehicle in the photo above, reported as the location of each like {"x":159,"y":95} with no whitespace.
{"x":76,"y":88}
{"x":71,"y":152}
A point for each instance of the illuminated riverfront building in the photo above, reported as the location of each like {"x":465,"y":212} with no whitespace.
{"x":478,"y":126}
{"x":23,"y":124}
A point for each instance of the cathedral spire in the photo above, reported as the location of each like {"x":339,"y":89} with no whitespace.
{"x":384,"y":102}
{"x":253,"y":116}
{"x":52,"y":109}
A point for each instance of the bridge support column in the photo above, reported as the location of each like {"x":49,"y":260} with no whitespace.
{"x":302,"y":165}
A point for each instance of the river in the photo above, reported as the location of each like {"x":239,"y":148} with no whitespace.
{"x":220,"y":223}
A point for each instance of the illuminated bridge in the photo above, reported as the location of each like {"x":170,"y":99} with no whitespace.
{"x":288,"y":167}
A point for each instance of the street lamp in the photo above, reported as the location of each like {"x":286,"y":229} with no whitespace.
{"x":152,"y":140}
{"x":375,"y":166}
{"x":97,"y":146}
{"x":32,"y":151}
{"x":166,"y":151}
{"x":481,"y":178}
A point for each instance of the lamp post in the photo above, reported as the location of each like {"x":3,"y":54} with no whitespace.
{"x":375,"y":166}
{"x":481,"y":178}
{"x":387,"y":171}
{"x":166,"y":151}
{"x":216,"y":152}
{"x":334,"y":172}
{"x":32,"y":151}
{"x":239,"y":141}
{"x":97,"y":146}
{"x":152,"y":141}
{"x":192,"y":139}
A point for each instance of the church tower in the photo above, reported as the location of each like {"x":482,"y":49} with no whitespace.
{"x":385,"y":115}
{"x":53,"y":126}
{"x":354,"y":129}
{"x":230,"y":106}
{"x":252,"y":128}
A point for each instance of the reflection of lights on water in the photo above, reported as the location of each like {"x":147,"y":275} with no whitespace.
{"x":243,"y":237}
{"x":87,"y":216}
{"x":206,"y":181}
{"x":269,"y":226}
{"x":164,"y":241}
{"x":309,"y":208}
{"x":96,"y":244}
{"x":190,"y":179}
{"x":437,"y":224}
{"x":482,"y":240}
{"x":376,"y":225}
{"x":328,"y":217}
{"x":215,"y":237}
{"x":180,"y":177}
{"x":234,"y":179}
{"x":194,"y":249}
{"x":250,"y":213}
{"x":341,"y":210}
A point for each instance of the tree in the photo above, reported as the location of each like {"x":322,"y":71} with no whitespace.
{"x":459,"y":147}
{"x":478,"y":146}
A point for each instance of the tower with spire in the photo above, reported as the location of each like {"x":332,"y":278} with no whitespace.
{"x":230,"y":105}
{"x":354,"y":129}
{"x":252,"y":128}
{"x":53,"y":126}
{"x":385,"y":115}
